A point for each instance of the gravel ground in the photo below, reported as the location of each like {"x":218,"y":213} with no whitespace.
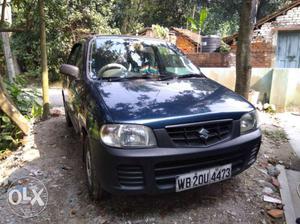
{"x":53,"y":155}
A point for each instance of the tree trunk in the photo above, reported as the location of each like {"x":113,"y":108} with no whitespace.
{"x":6,"y":47}
{"x":8,"y":57}
{"x":12,"y":112}
{"x":3,"y":10}
{"x":16,"y":65}
{"x":44,"y":63}
{"x":243,"y":54}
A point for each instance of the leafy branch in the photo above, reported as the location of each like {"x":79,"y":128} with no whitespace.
{"x":198,"y":26}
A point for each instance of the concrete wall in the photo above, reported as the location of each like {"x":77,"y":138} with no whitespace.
{"x":261,"y":79}
{"x":286,"y":90}
{"x":279,"y":90}
{"x":280,"y":87}
{"x":293,"y":93}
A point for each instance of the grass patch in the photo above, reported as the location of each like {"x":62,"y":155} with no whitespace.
{"x":277,"y":135}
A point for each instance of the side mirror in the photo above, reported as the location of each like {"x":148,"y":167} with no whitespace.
{"x":70,"y":70}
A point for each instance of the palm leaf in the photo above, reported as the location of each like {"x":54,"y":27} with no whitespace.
{"x":203,"y":16}
{"x":194,"y":25}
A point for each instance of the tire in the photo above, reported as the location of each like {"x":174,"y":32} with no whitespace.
{"x":94,"y":186}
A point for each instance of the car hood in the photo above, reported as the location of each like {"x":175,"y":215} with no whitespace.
{"x":161,"y":103}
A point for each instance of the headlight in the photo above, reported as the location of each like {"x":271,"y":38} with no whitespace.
{"x":248,"y":121}
{"x":127,"y":135}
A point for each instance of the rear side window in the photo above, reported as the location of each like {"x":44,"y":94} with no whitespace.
{"x":79,"y":58}
{"x":75,"y":54}
{"x":76,"y":57}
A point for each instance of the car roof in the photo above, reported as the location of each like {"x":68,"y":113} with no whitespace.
{"x":131,"y":37}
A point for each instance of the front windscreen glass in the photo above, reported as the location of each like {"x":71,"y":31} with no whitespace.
{"x":125,"y":58}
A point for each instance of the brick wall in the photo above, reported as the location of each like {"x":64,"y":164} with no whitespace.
{"x":212,"y":59}
{"x":261,"y":56}
{"x":261,"y":53}
{"x":185,"y":45}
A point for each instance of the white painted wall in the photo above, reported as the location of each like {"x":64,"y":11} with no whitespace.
{"x":280,"y":87}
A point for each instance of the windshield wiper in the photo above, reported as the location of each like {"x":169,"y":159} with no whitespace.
{"x":167,"y":76}
{"x":116,"y":79}
{"x":192,"y":75}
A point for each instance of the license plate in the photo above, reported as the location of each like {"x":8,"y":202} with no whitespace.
{"x":202,"y":177}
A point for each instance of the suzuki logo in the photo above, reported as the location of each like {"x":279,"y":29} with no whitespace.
{"x":203,"y":133}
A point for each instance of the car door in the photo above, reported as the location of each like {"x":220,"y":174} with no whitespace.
{"x":79,"y":92}
{"x":72,"y":85}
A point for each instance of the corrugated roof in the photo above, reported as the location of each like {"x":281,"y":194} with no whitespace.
{"x":192,"y":36}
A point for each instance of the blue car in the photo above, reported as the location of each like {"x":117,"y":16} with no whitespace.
{"x":150,"y":121}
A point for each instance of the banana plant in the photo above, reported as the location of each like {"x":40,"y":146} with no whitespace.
{"x":198,"y":26}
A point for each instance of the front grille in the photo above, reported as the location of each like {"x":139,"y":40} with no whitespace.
{"x":188,"y":135}
{"x":131,"y":176}
{"x":166,"y":172}
{"x":253,"y":154}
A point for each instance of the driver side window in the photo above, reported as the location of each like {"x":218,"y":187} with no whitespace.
{"x":76,"y":56}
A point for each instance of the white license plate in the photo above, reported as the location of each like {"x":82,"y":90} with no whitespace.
{"x":202,"y":177}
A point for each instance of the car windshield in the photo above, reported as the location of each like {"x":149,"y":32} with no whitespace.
{"x":136,"y":58}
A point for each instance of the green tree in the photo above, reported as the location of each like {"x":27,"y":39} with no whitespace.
{"x":224,"y":15}
{"x":67,"y":21}
{"x":167,"y":13}
{"x":129,"y":16}
{"x":198,"y":26}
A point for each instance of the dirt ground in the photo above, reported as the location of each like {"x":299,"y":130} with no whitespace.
{"x":53,"y":155}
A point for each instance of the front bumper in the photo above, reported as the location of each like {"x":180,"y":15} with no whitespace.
{"x":153,"y":171}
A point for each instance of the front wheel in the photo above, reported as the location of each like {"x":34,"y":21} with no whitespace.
{"x":94,"y":186}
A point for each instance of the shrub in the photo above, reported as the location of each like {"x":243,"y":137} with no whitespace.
{"x":27,"y":103}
